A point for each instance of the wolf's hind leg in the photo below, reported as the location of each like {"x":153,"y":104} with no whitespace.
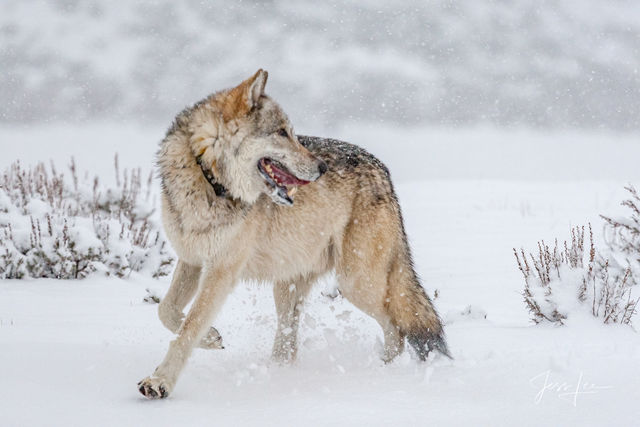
{"x":183,"y":287}
{"x":363,"y":272}
{"x":363,"y":297}
{"x":393,"y":339}
{"x":289,"y":298}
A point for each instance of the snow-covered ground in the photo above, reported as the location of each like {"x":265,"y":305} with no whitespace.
{"x":72,"y":352}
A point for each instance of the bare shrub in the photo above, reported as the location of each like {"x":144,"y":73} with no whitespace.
{"x":622,"y":235}
{"x":68,"y":229}
{"x":561,"y":279}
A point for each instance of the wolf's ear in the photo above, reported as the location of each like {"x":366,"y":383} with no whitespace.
{"x":242,"y":98}
{"x":256,"y":86}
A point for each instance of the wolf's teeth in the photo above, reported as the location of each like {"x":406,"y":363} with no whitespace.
{"x":292,"y":191}
{"x":269,"y":171}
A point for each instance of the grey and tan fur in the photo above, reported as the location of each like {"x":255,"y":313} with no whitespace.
{"x":228,"y":222}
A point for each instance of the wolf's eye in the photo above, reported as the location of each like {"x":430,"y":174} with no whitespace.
{"x":283,"y":132}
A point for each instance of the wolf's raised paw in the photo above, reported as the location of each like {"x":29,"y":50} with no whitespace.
{"x":212,"y":340}
{"x":153,"y":388}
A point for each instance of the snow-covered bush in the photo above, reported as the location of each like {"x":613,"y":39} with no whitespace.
{"x":564,"y":279}
{"x":69,"y":228}
{"x":622,"y":234}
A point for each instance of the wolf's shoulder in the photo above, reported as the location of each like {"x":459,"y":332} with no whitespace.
{"x":342,"y":155}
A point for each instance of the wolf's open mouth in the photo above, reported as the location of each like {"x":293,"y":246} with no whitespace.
{"x":284,"y":183}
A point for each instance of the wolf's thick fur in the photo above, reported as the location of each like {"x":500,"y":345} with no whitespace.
{"x":348,"y":221}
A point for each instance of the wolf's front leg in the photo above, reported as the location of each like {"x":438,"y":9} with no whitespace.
{"x":289,"y":298}
{"x":215,"y":284}
{"x":183,"y":287}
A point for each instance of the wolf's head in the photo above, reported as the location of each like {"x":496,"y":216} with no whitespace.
{"x":247,"y":141}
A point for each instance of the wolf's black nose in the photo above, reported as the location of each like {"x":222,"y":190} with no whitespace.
{"x":322,"y":168}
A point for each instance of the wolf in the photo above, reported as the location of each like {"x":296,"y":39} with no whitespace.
{"x":245,"y":198}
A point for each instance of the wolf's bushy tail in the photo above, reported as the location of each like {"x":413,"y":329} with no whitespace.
{"x":412,"y":312}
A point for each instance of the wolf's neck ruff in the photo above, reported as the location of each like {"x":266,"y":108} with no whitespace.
{"x":219,"y":189}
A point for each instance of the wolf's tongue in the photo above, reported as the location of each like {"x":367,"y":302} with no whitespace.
{"x":286,"y":178}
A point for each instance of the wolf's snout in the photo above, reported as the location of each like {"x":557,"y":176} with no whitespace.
{"x":322,"y":168}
